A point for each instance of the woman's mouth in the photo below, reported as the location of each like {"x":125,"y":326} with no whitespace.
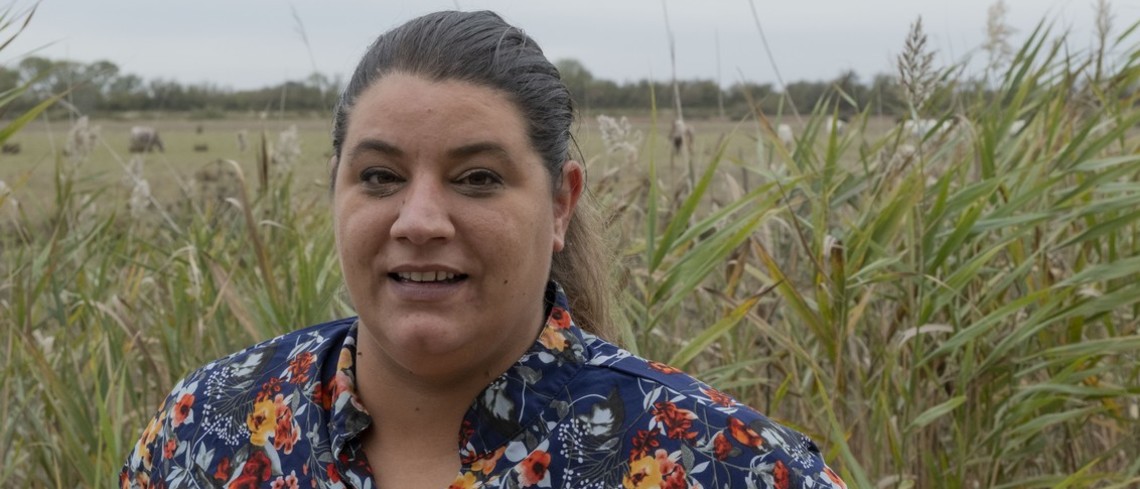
{"x":428,"y":277}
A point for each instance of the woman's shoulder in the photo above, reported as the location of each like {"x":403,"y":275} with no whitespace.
{"x":292,"y":359}
{"x":625,"y":368}
{"x":684,"y":419}
{"x":312,"y":340}
{"x":215,"y":413}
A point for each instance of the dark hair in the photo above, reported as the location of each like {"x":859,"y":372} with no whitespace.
{"x":483,"y":49}
{"x":476,"y":47}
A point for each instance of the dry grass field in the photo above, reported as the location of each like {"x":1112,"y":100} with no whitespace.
{"x":171,"y":173}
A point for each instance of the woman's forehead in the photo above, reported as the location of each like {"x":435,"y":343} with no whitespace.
{"x":407,"y":107}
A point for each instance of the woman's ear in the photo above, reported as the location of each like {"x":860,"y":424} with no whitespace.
{"x":571,"y":184}
{"x":333,"y":161}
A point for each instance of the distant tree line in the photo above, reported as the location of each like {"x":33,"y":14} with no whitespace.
{"x":706,"y":97}
{"x":100,"y":87}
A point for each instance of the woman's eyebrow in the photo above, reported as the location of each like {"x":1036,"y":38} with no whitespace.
{"x":469,"y":150}
{"x":375,"y":146}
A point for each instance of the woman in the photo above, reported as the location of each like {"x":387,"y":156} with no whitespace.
{"x":465,"y":247}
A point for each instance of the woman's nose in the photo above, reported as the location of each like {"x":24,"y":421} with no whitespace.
{"x":423,"y":214}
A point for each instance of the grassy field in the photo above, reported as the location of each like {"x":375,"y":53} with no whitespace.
{"x":168,"y":172}
{"x":175,"y":172}
{"x":954,"y":309}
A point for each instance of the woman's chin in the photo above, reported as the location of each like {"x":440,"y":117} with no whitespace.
{"x":436,"y":343}
{"x":434,"y":351}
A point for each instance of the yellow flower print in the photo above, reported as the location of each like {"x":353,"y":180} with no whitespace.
{"x":147,"y":438}
{"x":464,"y":481}
{"x":143,"y":479}
{"x":261,"y":422}
{"x":486,"y":465}
{"x":152,"y":429}
{"x":345,"y":360}
{"x":644,"y":473}
{"x":552,"y":339}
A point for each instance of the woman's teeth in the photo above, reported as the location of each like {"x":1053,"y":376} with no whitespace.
{"x":426,"y":276}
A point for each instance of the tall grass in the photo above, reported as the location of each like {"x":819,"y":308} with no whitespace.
{"x":956,"y":311}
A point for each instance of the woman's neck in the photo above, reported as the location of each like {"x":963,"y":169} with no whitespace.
{"x":416,"y":418}
{"x":413,"y":440}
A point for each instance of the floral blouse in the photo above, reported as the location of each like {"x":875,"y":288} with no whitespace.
{"x":574,"y":411}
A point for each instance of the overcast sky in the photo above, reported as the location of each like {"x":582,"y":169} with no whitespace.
{"x":255,"y":43}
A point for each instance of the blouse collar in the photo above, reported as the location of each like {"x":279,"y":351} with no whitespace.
{"x":504,"y":409}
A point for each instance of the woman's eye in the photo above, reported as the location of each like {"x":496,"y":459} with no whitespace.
{"x":480,"y":179}
{"x":379,"y":176}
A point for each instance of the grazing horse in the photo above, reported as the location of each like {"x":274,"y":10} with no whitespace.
{"x":145,"y":139}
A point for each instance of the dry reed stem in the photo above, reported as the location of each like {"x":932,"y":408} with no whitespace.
{"x":998,"y":32}
{"x":916,"y":70}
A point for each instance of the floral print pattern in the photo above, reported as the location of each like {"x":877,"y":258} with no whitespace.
{"x":574,"y":411}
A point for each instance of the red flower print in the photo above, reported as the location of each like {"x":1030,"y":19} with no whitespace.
{"x":722,"y":448}
{"x":672,"y":473}
{"x":286,"y":433}
{"x":677,"y":421}
{"x":182,"y":409}
{"x":834,"y":477}
{"x":322,"y":396}
{"x":258,"y":466}
{"x":223,"y":471}
{"x":717,"y":397}
{"x":466,"y":431}
{"x":644,"y":442}
{"x":269,"y":389}
{"x":168,"y":448}
{"x":244,"y":482}
{"x":780,"y":474}
{"x":255,"y":471}
{"x":332,"y":472}
{"x":559,"y":318}
{"x":533,"y":468}
{"x":285,"y":482}
{"x":743,"y":434}
{"x":661,"y":367}
{"x":341,"y":383}
{"x":299,"y":367}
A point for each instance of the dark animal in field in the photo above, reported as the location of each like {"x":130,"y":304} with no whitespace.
{"x":201,"y":148}
{"x":11,"y":149}
{"x":681,"y":136}
{"x":145,"y":139}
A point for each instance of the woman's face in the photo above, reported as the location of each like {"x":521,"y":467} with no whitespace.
{"x":445,"y":225}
